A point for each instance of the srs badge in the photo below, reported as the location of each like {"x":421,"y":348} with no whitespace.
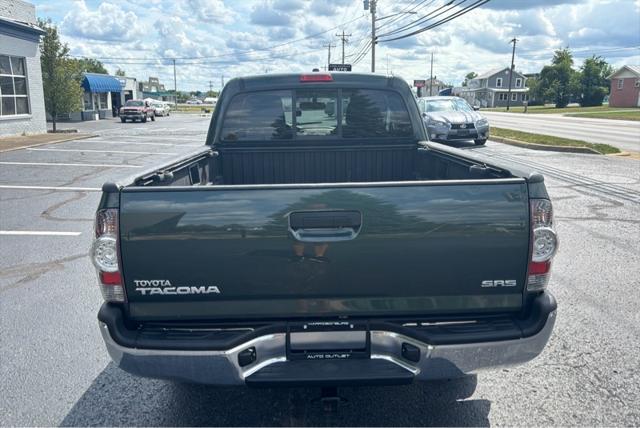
{"x":493,"y":283}
{"x":151,"y":287}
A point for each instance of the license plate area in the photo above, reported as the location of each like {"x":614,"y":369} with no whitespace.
{"x":327,"y":340}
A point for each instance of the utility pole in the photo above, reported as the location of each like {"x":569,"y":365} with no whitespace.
{"x":210,"y":86}
{"x":175,"y":86}
{"x":329,"y":46}
{"x":513,"y":55}
{"x":431,"y":77}
{"x":343,"y":37}
{"x":372,"y":8}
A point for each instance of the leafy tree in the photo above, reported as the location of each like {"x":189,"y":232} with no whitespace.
{"x":90,"y":65}
{"x":468,"y":77}
{"x":559,"y":79}
{"x":60,"y":74}
{"x":120,"y":72}
{"x":593,"y":82}
{"x":536,"y":92}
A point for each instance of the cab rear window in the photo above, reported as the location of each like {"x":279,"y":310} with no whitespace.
{"x":309,"y":113}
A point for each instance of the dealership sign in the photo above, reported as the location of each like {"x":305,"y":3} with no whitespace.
{"x":339,"y":67}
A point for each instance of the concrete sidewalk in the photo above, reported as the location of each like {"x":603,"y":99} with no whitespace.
{"x":8,"y":144}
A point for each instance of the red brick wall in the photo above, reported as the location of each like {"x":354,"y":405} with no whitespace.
{"x":625,"y":97}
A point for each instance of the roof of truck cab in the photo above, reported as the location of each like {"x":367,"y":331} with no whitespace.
{"x":264,"y":81}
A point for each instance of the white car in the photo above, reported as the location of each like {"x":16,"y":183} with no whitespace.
{"x":161,"y":109}
{"x":194,"y":102}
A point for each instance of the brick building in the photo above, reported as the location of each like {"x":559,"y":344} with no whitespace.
{"x":21,"y":95}
{"x":625,"y":87}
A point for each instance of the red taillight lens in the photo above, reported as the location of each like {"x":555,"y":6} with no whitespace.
{"x":544,"y":244}
{"x":316,"y":78}
{"x":104,"y":255}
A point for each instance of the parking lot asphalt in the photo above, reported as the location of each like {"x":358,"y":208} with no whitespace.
{"x":623,"y":134}
{"x":55,"y":369}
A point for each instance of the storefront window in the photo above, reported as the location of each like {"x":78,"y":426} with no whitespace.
{"x":87,"y":101}
{"x":104,"y":104}
{"x":14,"y":96}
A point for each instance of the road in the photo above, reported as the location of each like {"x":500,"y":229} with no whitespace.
{"x":55,"y":370}
{"x":623,"y":134}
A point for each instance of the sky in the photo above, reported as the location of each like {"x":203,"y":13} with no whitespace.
{"x":214,"y":40}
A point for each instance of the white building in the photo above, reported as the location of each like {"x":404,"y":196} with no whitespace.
{"x":21,"y":95}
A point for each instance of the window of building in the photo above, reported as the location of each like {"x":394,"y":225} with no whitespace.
{"x":620,"y":83}
{"x":502,"y":96}
{"x":525,"y":97}
{"x":13,"y":86}
{"x":499,"y":82}
{"x":104,"y":103}
{"x":514,"y":96}
{"x":518,"y":82}
{"x":87,"y":102}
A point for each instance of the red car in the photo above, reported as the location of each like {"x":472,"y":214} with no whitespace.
{"x":137,"y":110}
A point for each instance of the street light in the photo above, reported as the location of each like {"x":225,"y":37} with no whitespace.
{"x":372,"y":8}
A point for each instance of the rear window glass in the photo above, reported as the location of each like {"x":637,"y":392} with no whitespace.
{"x":268,"y":115}
{"x":373,"y":113}
{"x":316,"y":112}
{"x":259,"y":116}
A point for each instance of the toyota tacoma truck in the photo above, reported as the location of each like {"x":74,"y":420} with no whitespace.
{"x":300,"y":248}
{"x":137,"y":110}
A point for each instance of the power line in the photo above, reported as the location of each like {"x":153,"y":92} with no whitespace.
{"x":344,"y":38}
{"x":404,"y":13}
{"x":461,"y":12}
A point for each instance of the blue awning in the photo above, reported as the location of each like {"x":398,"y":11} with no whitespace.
{"x":99,"y":83}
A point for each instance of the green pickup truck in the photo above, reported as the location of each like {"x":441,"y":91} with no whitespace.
{"x":318,"y":238}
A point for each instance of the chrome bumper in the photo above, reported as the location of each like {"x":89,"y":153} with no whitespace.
{"x":222,"y":368}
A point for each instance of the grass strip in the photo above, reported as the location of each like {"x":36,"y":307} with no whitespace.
{"x":549,"y":140}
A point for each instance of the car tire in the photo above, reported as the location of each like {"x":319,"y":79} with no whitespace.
{"x":123,"y":120}
{"x":144,"y":119}
{"x":153,"y":118}
{"x":480,"y":142}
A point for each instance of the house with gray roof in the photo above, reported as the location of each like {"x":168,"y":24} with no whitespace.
{"x":491,"y":89}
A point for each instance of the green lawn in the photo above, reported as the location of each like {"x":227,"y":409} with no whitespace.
{"x":550,"y":109}
{"x":549,"y":140}
{"x":613,"y":114}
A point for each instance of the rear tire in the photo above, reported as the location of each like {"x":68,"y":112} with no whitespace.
{"x":123,"y":120}
{"x":480,"y":142}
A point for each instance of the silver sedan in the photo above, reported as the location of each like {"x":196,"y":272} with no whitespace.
{"x":451,"y":119}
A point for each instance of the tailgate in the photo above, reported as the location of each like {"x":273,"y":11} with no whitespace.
{"x":418,"y":248}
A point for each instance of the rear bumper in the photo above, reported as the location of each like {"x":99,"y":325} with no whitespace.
{"x":387,"y":363}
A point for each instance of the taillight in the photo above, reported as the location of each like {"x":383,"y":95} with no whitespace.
{"x":316,"y":77}
{"x":104,"y":255}
{"x":544,"y":244}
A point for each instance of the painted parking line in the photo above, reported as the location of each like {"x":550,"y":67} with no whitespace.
{"x":102,"y":151}
{"x":57,"y":188}
{"x":37,"y":233}
{"x":130,"y":143}
{"x":69,"y":164}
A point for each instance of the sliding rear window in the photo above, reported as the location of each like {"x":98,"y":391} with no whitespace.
{"x":316,"y":113}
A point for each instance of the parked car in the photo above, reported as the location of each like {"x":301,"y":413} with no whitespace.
{"x":453,"y":119}
{"x":160,"y":109}
{"x":307,"y":249}
{"x":134,"y":110}
{"x":194,"y":101}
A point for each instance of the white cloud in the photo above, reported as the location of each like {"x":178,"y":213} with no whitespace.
{"x":212,"y":11}
{"x":108,"y":22}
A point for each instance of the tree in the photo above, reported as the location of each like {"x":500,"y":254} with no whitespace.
{"x":90,"y":65}
{"x":120,"y":72}
{"x":593,"y":81}
{"x":536,"y":94}
{"x":468,"y":77}
{"x":559,"y":78}
{"x":60,"y":74}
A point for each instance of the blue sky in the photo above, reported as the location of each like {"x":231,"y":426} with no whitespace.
{"x":215,"y":38}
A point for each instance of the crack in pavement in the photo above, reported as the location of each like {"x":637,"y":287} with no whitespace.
{"x":33,"y":271}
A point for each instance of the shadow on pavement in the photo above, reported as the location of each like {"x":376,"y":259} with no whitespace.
{"x":116,"y":398}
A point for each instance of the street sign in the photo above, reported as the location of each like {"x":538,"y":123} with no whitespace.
{"x":339,"y":67}
{"x":419,"y":83}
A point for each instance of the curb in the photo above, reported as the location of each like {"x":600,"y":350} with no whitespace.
{"x":75,"y":137}
{"x":533,"y":146}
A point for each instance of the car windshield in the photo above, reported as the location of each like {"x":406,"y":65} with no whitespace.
{"x":157,"y":105}
{"x":131,"y":103}
{"x":448,"y":105}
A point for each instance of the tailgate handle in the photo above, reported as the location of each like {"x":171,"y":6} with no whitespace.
{"x":325,"y":226}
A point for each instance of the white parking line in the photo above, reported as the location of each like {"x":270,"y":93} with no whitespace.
{"x":97,"y":141}
{"x":101,"y":151}
{"x":69,"y":164}
{"x":60,"y":188}
{"x":37,"y":233}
